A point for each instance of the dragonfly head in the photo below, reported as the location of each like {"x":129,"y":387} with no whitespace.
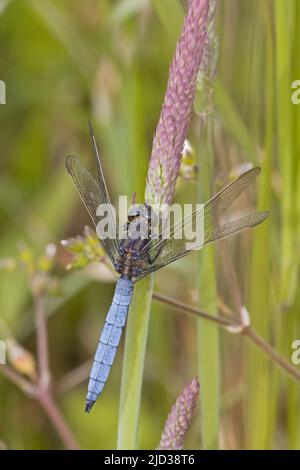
{"x":139,"y":221}
{"x":139,"y":210}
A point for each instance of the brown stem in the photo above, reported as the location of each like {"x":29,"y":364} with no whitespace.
{"x":74,"y":378}
{"x":247,"y":332}
{"x":43,"y":392}
{"x":42,"y":338}
{"x":46,"y":401}
{"x":17,"y":379}
{"x":222,"y":321}
{"x":40,"y":390}
{"x":271,"y":353}
{"x":231,"y":278}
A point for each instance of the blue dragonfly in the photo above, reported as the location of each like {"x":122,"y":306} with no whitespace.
{"x":135,"y":257}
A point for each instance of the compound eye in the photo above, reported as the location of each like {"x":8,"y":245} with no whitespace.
{"x":132,"y":215}
{"x":134,"y":211}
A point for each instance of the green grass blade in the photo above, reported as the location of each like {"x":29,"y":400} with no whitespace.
{"x":208,"y":335}
{"x":283,"y":81}
{"x":232,"y":120}
{"x":293,"y":414}
{"x":170,"y":13}
{"x":133,"y":364}
{"x":138,"y":320}
{"x":262,"y":382}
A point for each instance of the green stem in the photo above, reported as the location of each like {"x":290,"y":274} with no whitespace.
{"x":262,"y":387}
{"x":171,"y":14}
{"x":208,"y":336}
{"x":133,"y":364}
{"x":293,"y":413}
{"x":285,"y":148}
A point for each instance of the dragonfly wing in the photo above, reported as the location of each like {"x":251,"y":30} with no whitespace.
{"x":171,"y":250}
{"x":223,"y":199}
{"x":161,"y":251}
{"x":235,"y":226}
{"x":101,"y":179}
{"x":93,"y":195}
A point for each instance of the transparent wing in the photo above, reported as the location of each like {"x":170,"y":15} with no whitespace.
{"x":160,"y":252}
{"x":172,"y":250}
{"x":93,"y":194}
{"x":101,"y":179}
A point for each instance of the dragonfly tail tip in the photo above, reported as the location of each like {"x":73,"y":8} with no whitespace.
{"x":89,"y":406}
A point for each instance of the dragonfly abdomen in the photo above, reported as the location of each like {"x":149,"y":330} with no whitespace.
{"x":109,"y":340}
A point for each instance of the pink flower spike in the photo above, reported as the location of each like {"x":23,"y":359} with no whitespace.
{"x":180,"y":417}
{"x":176,"y":112}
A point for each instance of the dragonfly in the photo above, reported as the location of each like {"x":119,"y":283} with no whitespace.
{"x":135,"y":257}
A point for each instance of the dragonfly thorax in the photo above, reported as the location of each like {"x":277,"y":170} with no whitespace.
{"x":135,"y":237}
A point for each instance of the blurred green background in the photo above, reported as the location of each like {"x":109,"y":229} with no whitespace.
{"x":65,"y":62}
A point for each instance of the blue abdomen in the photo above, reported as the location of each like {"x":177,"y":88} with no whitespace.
{"x":109,"y":340}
